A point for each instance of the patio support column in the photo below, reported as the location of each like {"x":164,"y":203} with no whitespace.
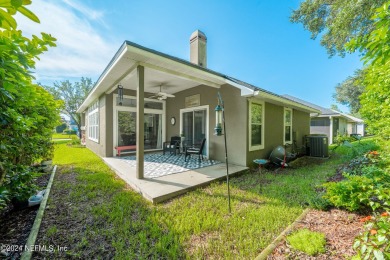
{"x":140,"y":122}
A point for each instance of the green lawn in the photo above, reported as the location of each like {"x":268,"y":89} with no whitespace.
{"x":63,"y":136}
{"x":107,"y":216}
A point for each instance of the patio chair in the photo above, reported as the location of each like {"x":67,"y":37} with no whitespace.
{"x":195,"y":149}
{"x":172,"y":145}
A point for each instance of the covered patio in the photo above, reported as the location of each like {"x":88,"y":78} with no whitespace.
{"x":166,"y":186}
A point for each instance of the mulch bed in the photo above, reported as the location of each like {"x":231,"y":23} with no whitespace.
{"x":340,"y":228}
{"x":16,"y":225}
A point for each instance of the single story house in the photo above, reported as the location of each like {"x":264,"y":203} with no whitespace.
{"x":164,"y":96}
{"x":331,"y":122}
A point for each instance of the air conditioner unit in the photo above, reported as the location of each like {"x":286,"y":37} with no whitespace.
{"x":317,"y":145}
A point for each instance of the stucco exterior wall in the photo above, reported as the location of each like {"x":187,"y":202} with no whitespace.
{"x":236,"y":120}
{"x":273,"y":132}
{"x":237,"y":117}
{"x":301,"y":126}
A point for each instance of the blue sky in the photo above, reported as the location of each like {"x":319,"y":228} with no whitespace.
{"x":253,"y":41}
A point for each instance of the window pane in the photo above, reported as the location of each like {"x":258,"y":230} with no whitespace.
{"x":256,"y":113}
{"x":287,"y":119}
{"x":126,"y":128}
{"x":153,"y":105}
{"x":256,"y":135}
{"x":127,"y":102}
{"x":287,"y":135}
{"x":153,"y":131}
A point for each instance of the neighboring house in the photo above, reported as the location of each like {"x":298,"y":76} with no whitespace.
{"x":256,"y":120}
{"x":73,"y":125}
{"x":331,"y":122}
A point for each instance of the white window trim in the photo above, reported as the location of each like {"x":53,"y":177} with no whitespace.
{"x":284,"y":125}
{"x":96,"y":110}
{"x":256,"y":147}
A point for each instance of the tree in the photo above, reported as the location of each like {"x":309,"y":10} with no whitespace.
{"x":349,"y":91}
{"x":73,"y":96}
{"x":375,"y":100}
{"x":336,"y":21}
{"x":335,"y":107}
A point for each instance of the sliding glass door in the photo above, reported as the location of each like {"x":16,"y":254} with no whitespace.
{"x":125,"y":123}
{"x":194,"y":126}
{"x":127,"y":130}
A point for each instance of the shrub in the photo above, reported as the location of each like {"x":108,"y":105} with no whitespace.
{"x":19,"y":183}
{"x":374,"y":242}
{"x":370,"y":191}
{"x":69,"y":132}
{"x":319,"y":202}
{"x":307,"y":241}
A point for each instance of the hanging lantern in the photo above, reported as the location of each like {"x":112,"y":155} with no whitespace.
{"x":218,"y":120}
{"x":120,"y":94}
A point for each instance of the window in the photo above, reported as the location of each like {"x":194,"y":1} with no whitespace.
{"x":256,"y":125}
{"x":93,"y":122}
{"x":287,"y":126}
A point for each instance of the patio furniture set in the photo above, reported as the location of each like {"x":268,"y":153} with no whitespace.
{"x":175,"y":146}
{"x":188,"y":148}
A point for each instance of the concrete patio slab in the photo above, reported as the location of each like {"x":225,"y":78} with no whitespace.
{"x":163,"y":188}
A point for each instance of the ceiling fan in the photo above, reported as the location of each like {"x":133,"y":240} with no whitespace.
{"x":161,"y":95}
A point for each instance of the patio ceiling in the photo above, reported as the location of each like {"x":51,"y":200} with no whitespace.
{"x":160,"y":69}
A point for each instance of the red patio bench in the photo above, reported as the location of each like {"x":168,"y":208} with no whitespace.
{"x":124,"y":148}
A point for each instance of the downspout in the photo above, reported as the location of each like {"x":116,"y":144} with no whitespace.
{"x":330,"y":130}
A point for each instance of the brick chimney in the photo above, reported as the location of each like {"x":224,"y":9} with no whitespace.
{"x":198,"y":54}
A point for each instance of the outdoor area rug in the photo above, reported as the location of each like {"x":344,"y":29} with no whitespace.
{"x":157,"y":164}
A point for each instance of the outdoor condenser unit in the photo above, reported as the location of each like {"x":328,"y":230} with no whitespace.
{"x":317,"y":145}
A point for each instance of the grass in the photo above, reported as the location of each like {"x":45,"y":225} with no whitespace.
{"x":63,"y":136}
{"x":307,"y":241}
{"x":109,"y":218}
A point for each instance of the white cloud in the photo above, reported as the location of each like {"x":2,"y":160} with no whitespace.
{"x":82,"y":49}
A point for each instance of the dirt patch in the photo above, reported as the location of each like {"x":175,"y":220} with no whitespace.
{"x":16,"y":225}
{"x":201,"y":242}
{"x":65,"y":224}
{"x":306,"y":161}
{"x":340,"y":228}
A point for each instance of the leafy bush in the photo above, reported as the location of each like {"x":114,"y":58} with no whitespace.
{"x":307,"y":241}
{"x":319,"y":202}
{"x":28,"y":113}
{"x":374,"y":242}
{"x":19,"y":183}
{"x":69,"y":132}
{"x":370,"y":191}
{"x":340,"y":139}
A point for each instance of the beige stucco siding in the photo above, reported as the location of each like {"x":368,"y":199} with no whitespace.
{"x":274,"y":130}
{"x":236,"y":121}
{"x":301,"y":126}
